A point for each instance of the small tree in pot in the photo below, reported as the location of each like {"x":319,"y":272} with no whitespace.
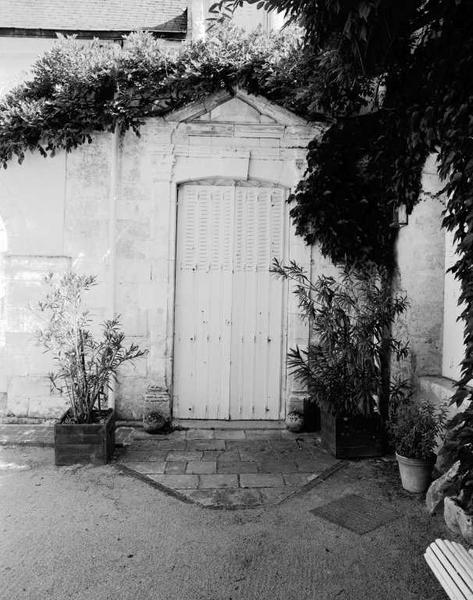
{"x":86,"y":368}
{"x":349,"y":320}
{"x":414,"y":427}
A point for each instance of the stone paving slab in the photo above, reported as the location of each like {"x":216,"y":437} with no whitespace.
{"x":183,"y":455}
{"x":227,"y":480}
{"x":200,"y":467}
{"x":261,"y":480}
{"x":144,"y":456}
{"x":206,"y":445}
{"x":237,"y":467}
{"x":175,"y":467}
{"x":229,"y":468}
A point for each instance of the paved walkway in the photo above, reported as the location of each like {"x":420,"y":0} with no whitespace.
{"x":227,"y":468}
{"x":215,"y":468}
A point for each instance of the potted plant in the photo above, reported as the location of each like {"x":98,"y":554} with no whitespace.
{"x":349,"y":320}
{"x":414,"y":427}
{"x":86,"y":367}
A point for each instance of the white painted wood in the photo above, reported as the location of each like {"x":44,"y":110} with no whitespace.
{"x":229,"y":308}
{"x":203,"y":302}
{"x":453,"y":566}
{"x":453,"y":347}
{"x":257,"y":334}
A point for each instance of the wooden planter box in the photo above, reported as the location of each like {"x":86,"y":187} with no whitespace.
{"x":85,"y":443}
{"x":353,"y":437}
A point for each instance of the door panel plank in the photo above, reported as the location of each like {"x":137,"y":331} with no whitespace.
{"x":257,"y":332}
{"x":203,"y":303}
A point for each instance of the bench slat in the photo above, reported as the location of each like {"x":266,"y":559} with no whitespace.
{"x":463,"y":567}
{"x":464,"y":556}
{"x":443,"y":576}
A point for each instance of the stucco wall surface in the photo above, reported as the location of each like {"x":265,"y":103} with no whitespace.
{"x":421,"y":262}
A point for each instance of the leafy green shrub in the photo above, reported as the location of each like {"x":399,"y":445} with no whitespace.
{"x":349,"y":321}
{"x":465,"y":478}
{"x":414,"y":427}
{"x":458,"y":446}
{"x":86,"y":366}
{"x":78,"y":88}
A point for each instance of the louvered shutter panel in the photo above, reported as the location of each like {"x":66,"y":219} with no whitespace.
{"x":228,"y":313}
{"x":257,"y":304}
{"x":203,"y":302}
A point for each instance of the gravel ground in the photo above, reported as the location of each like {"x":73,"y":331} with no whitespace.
{"x":93,"y":533}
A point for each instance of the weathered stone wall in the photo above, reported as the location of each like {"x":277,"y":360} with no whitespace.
{"x":109,"y":208}
{"x":421,"y":261}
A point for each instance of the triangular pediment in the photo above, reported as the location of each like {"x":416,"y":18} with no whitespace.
{"x":236,"y":107}
{"x":235,"y":110}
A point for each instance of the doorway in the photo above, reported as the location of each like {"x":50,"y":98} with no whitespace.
{"x":229,"y":335}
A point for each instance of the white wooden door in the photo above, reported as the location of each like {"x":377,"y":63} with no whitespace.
{"x":228,"y":346}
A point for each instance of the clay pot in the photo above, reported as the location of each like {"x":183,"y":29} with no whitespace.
{"x":154,"y":422}
{"x":294,"y":422}
{"x":156,"y":409}
{"x":416,"y":473}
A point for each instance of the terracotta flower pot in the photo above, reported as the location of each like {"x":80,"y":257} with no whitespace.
{"x":294,"y":422}
{"x":154,"y":422}
{"x":416,"y":473}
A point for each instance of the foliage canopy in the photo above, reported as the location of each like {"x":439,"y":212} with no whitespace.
{"x":79,"y":88}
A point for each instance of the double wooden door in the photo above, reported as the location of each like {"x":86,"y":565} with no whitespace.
{"x":229,"y":308}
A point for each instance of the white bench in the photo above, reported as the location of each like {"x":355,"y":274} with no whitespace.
{"x":452,"y":565}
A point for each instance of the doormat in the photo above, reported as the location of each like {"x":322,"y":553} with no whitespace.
{"x":356,"y":513}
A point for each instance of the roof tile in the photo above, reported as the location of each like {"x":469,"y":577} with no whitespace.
{"x":94,"y":15}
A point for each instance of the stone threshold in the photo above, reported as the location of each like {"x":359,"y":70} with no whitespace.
{"x":214,"y":424}
{"x":211,"y":424}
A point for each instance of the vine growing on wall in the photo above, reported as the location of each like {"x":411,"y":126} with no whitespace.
{"x":79,"y":88}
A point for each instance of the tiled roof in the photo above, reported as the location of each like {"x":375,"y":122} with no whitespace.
{"x":94,"y":15}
